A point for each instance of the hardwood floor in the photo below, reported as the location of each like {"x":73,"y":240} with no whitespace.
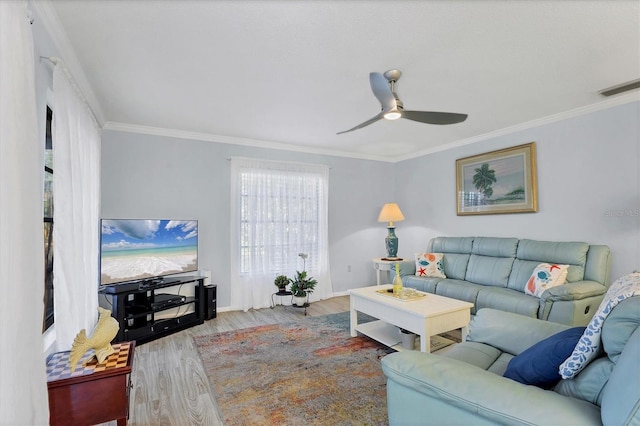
{"x":170,"y":386}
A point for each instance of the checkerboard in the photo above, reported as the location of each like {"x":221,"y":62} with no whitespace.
{"x":58,"y":363}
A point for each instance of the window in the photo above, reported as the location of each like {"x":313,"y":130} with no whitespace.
{"x":48,"y":225}
{"x":280,"y":217}
{"x":278,"y":210}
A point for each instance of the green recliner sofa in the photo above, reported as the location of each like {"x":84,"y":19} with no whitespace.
{"x":465,"y":386}
{"x":492,"y":272}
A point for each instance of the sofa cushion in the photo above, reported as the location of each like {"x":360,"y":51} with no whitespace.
{"x":545,"y":276}
{"x":421,"y":283}
{"x":506,"y":299}
{"x":621,"y":323}
{"x":591,"y":344}
{"x":455,"y":265}
{"x":589,"y":384}
{"x":430,"y":265}
{"x":456,"y":252}
{"x":489,"y":270}
{"x":621,"y":394}
{"x":504,"y":330}
{"x":495,"y":247}
{"x":598,"y":267}
{"x":501,"y":364}
{"x":539,"y":364}
{"x":451,"y":245}
{"x":569,"y":253}
{"x":521,"y":271}
{"x":478,"y":354}
{"x":458,"y":289}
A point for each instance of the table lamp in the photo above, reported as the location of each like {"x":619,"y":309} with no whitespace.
{"x":391,"y":213}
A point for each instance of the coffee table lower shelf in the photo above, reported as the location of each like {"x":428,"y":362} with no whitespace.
{"x":385,"y":333}
{"x":389,"y":335}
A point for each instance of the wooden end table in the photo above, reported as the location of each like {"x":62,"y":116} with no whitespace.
{"x":93,"y":393}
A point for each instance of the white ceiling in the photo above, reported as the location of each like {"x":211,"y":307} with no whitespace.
{"x":282,"y":73}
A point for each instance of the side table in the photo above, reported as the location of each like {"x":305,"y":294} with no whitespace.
{"x":290,"y":294}
{"x":280,"y":294}
{"x":305,"y":305}
{"x":380,"y":264}
{"x":93,"y":393}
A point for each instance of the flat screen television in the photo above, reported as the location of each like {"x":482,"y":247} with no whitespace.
{"x":144,"y":249}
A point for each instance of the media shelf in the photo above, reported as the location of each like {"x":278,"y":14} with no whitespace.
{"x":157,"y":308}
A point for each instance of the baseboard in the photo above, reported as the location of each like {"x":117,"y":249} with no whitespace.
{"x":230,"y":309}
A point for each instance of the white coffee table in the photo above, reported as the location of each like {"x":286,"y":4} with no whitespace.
{"x":426,"y":316}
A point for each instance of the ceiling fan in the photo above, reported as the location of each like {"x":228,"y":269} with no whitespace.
{"x":383,"y":86}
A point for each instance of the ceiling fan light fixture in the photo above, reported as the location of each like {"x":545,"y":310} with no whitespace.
{"x":394,"y":114}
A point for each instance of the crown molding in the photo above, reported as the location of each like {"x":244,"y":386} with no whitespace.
{"x":606,"y":104}
{"x":232,"y":140}
{"x":53,"y":26}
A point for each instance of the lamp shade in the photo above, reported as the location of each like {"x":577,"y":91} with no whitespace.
{"x":390,"y":213}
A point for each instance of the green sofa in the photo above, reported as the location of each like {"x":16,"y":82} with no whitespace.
{"x":465,"y":386}
{"x":492,"y":272}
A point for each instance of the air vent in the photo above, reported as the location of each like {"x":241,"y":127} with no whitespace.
{"x":624,"y":87}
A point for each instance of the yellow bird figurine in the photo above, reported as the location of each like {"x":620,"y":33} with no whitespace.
{"x":100,"y":340}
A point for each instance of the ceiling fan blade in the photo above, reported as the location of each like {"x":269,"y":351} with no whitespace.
{"x":380,"y":88}
{"x":432,"y":117}
{"x":361,"y":125}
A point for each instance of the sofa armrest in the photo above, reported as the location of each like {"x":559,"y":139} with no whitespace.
{"x":573,"y":291}
{"x":508,"y":331}
{"x":427,"y":385}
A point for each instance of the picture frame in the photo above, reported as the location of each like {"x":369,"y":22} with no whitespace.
{"x":498,"y":182}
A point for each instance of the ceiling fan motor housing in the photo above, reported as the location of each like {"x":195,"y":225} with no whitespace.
{"x":392,"y":75}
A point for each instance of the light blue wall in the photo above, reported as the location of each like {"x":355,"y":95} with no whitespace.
{"x":146,"y":176}
{"x":588,"y":188}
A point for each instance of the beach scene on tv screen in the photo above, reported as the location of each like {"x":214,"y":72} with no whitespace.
{"x":138,"y":249}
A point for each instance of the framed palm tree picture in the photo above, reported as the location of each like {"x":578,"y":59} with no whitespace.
{"x":502,"y":181}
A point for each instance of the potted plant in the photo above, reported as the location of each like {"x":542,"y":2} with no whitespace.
{"x":301,"y":287}
{"x":281,"y":281}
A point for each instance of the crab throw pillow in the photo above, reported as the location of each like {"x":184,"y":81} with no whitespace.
{"x":546,"y":276}
{"x":430,"y":265}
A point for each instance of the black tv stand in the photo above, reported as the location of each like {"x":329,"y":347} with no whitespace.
{"x":167,"y":300}
{"x":144,"y":309}
{"x":145,"y":284}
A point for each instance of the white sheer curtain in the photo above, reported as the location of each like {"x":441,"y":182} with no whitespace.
{"x":76,"y":193}
{"x":23,"y":382}
{"x":278,"y":210}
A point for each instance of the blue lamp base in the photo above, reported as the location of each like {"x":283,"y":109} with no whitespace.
{"x":391,"y":244}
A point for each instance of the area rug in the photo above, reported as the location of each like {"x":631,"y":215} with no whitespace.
{"x":310,"y":372}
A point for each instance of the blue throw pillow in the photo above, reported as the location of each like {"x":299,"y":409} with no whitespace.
{"x":538,"y":365}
